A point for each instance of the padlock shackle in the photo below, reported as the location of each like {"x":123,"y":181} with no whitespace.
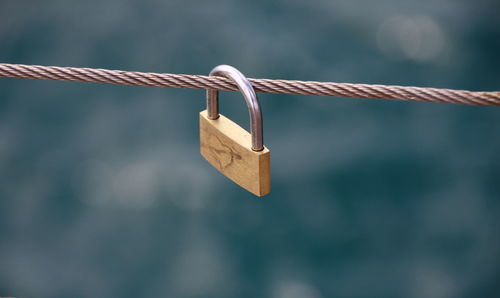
{"x":250,"y":97}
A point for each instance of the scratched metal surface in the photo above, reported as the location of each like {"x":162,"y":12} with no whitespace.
{"x":103,"y":191}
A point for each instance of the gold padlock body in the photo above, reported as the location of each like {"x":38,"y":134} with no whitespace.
{"x":228,"y":147}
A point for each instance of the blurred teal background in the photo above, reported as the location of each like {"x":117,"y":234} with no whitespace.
{"x":104,"y":193}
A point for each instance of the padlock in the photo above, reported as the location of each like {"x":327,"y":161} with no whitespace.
{"x":239,"y":155}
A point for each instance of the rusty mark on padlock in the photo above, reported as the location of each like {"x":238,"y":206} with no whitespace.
{"x":220,"y":153}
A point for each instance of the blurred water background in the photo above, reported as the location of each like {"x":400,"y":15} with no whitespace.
{"x":104,"y":193}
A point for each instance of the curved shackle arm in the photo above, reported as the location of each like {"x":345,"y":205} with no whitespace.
{"x":250,"y":97}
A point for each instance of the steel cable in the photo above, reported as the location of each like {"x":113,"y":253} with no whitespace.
{"x":260,"y":85}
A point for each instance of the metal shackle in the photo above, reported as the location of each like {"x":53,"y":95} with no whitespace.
{"x":250,"y":97}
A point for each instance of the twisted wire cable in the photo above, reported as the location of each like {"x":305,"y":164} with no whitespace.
{"x":121,"y":77}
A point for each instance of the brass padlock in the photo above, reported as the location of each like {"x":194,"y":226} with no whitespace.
{"x":239,"y":155}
